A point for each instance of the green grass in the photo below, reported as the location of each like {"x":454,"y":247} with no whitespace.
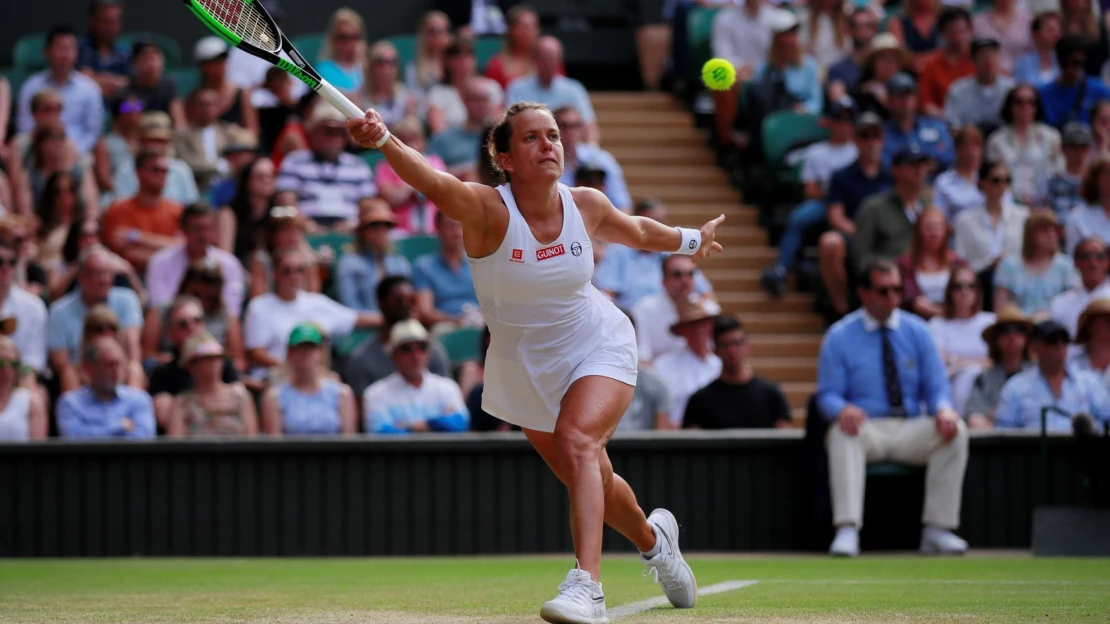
{"x":789,"y":589}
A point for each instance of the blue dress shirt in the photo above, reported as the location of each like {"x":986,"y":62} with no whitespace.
{"x":615,"y":188}
{"x":803,"y":82}
{"x":81,"y":414}
{"x":67,"y":318}
{"x":928,"y":135}
{"x":631,"y":275}
{"x":451,"y":289}
{"x":357,"y":277}
{"x":1027,"y":70}
{"x":1026,"y":393}
{"x":82,"y":106}
{"x":561,"y":92}
{"x":850,"y":368}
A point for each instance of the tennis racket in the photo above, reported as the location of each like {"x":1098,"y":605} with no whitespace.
{"x":246,"y":25}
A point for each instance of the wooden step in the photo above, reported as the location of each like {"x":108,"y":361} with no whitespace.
{"x":787,"y":345}
{"x":782,"y":370}
{"x":659,"y":137}
{"x":633,"y":100}
{"x":735,"y":280}
{"x":798,"y":417}
{"x":740,"y":303}
{"x":675,"y":175}
{"x":741,"y":234}
{"x":671,"y":194}
{"x":788,"y":323}
{"x":797,"y":392}
{"x":695,"y":215}
{"x":688,"y":155}
{"x":643,"y":119}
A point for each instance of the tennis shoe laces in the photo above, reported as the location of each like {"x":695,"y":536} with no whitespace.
{"x":667,"y":567}
{"x":580,"y":601}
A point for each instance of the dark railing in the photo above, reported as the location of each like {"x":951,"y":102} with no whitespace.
{"x":465,"y":494}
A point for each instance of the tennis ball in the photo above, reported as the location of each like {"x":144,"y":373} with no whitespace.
{"x":718,"y":74}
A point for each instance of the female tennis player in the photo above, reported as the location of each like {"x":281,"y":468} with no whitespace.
{"x":562,"y":358}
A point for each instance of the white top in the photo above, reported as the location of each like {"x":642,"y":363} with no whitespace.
{"x":961,"y":337}
{"x":1066,"y":307}
{"x":954,"y":194}
{"x":740,"y":39}
{"x":979,"y":242}
{"x":822,"y":160}
{"x":392,"y":401}
{"x":269,"y":321}
{"x":31,"y":320}
{"x":1086,"y":221}
{"x":685,"y":374}
{"x":548,"y":325}
{"x":14,"y":425}
{"x":654,"y":316}
{"x":932,"y":285}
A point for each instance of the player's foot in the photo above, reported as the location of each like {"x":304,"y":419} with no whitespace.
{"x":936,"y":541}
{"x":580,"y":601}
{"x":846,"y":542}
{"x":667,"y":565}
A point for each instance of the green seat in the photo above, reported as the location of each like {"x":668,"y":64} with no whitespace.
{"x":415,"y":246}
{"x":372,"y":158}
{"x":339,"y":242}
{"x":699,"y":29}
{"x":892,"y":469}
{"x":15,"y":79}
{"x":484,"y":49}
{"x":347,"y":344}
{"x":786,"y":130}
{"x":186,"y":79}
{"x":29,"y":54}
{"x":170,"y":49}
{"x":462,"y":345}
{"x":309,"y":46}
{"x":406,"y":50}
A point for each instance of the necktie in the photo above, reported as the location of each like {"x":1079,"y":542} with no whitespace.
{"x":890,"y":376}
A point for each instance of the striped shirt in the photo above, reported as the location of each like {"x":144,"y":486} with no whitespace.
{"x":327,"y":190}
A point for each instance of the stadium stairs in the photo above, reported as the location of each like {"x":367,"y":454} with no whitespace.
{"x":665,"y":156}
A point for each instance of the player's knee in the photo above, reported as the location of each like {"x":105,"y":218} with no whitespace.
{"x":575,"y":449}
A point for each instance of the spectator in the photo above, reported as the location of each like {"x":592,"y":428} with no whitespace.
{"x":458,"y":146}
{"x":950,"y":63}
{"x":650,"y":407}
{"x":957,"y":189}
{"x":414,"y":213}
{"x":655,"y":314}
{"x":238,"y":224}
{"x":885,"y":59}
{"x":1091,"y":217}
{"x":201,"y":142}
{"x":1040,"y":273}
{"x":28,"y":310}
{"x":906,"y":418}
{"x":101,"y":320}
{"x":282,"y":228}
{"x":96,"y":269}
{"x":213,"y":407}
{"x":62,"y":278}
{"x":517,"y":58}
{"x":927,"y":265}
{"x":383,"y":90}
{"x":548,"y":87}
{"x":358,"y":274}
{"x":1028,"y":147}
{"x":46,"y":110}
{"x":823,"y":34}
{"x":276,"y":104}
{"x":167,"y":267}
{"x":308,"y":400}
{"x":957,"y":332}
{"x":884,"y":224}
{"x":444,"y":288}
{"x":1092,"y":350}
{"x":58,"y":209}
{"x":1073,"y":94}
{"x":1063,"y":186}
{"x":29,"y":274}
{"x":104,"y":408}
{"x":446,"y":108}
{"x":819,"y":162}
{"x":906,"y":129}
{"x":234,"y":102}
{"x":49,"y":154}
{"x":433,"y":37}
{"x":1100,"y":128}
{"x":688,"y":369}
{"x":577,"y":153}
{"x":977,"y":98}
{"x":848,"y":188}
{"x":238,"y":151}
{"x":1093,"y":267}
{"x":184,"y":319}
{"x":412,"y":399}
{"x":1052,"y":383}
{"x":249,"y":71}
{"x":920,"y":29}
{"x":738,"y":399}
{"x":1039,"y":66}
{"x":789,"y":79}
{"x":742,"y":34}
{"x":23,"y":416}
{"x":139,"y":227}
{"x":155,"y":135}
{"x":370,"y":361}
{"x":343,"y":52}
{"x":82,"y":104}
{"x":5,"y":118}
{"x":324,"y":181}
{"x":484,"y":17}
{"x":994,"y":229}
{"x":150,"y":84}
{"x":270,"y":317}
{"x":1008,"y":23}
{"x":845,"y":75}
{"x":1008,"y":346}
{"x":480,"y":420}
{"x":119,"y":145}
{"x":1080,"y":19}
{"x":100,"y":55}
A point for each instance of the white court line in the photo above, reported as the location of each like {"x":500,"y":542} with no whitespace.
{"x":659,"y":601}
{"x":928,"y":582}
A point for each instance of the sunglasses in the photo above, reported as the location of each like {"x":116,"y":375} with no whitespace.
{"x":382,"y":60}
{"x":15,"y":364}
{"x":679,"y":274}
{"x":293,"y":270}
{"x":158,"y":170}
{"x":347,"y":37}
{"x":884,"y":291}
{"x":1078,"y":61}
{"x":735,"y":342}
{"x":1025,"y":102}
{"x":870,"y":136}
{"x":378,"y":224}
{"x":413,"y":347}
{"x":1090,"y":255}
{"x":8,"y":262}
{"x":102,"y":328}
{"x":1054,"y":341}
{"x":189,"y":321}
{"x":1006,"y":330}
{"x":49,"y":108}
{"x":999,"y":180}
{"x":963,"y":286}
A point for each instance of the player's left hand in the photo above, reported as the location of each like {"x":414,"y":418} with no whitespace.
{"x":948,"y":423}
{"x":708,"y":235}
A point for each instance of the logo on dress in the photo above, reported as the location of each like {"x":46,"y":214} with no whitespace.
{"x":550,"y":252}
{"x":517,"y":256}
{"x":575,"y":249}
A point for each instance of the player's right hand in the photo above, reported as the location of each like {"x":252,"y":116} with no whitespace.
{"x":368,"y":130}
{"x":851,"y":418}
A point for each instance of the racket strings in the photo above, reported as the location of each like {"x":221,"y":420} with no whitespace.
{"x":244,"y":20}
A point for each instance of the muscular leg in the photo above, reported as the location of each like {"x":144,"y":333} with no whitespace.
{"x":833,"y":253}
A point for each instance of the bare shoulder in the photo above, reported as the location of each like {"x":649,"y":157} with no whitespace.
{"x":592,"y":203}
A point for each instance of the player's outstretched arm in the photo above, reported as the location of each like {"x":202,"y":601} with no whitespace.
{"x":453,"y":197}
{"x":613,"y":226}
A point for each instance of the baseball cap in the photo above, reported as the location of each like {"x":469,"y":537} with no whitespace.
{"x":155,"y":125}
{"x":869,"y":120}
{"x":901,"y":83}
{"x":590,"y":169}
{"x":306,"y":333}
{"x":1076,"y":133}
{"x":783,"y":21}
{"x":910,"y":155}
{"x":843,"y":107}
{"x":405,"y":332}
{"x":980,"y":43}
{"x":209,"y":48}
{"x":199,"y":346}
{"x":1049,"y":331}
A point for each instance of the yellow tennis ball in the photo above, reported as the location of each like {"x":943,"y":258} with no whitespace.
{"x":718,"y":74}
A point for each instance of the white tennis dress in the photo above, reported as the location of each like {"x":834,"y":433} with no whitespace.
{"x":548,"y":325}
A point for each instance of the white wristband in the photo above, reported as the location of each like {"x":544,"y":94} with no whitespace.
{"x":691,"y":241}
{"x":385,"y":138}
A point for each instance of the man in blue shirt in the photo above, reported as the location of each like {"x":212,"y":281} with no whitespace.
{"x":100,"y":55}
{"x":444,"y":288}
{"x":548,"y":87}
{"x":1051,"y":383}
{"x":577,"y":153}
{"x":105,"y":408}
{"x":908,"y":129}
{"x":82,"y":102}
{"x":1073,"y":94}
{"x":882,"y":385}
{"x":458,"y":146}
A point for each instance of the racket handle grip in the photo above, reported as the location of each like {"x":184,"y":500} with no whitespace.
{"x":339,"y":101}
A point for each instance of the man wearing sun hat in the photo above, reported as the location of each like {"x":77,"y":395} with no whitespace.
{"x":693,"y":366}
{"x":1008,"y":345}
{"x":412,"y":399}
{"x":1092,"y":341}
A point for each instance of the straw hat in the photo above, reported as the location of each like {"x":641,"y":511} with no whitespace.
{"x":199,"y":346}
{"x":1094,"y":309}
{"x":691,"y":312}
{"x":1009,"y":315}
{"x":886,"y":42}
{"x":376,"y":212}
{"x":405,"y":332}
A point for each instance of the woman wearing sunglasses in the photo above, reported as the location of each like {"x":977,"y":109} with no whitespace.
{"x":1028,"y":147}
{"x":382,"y":88}
{"x":958,"y":332}
{"x":283,"y":228}
{"x":22,"y":413}
{"x":309,"y":400}
{"x":1008,"y":346}
{"x":992,"y":230}
{"x":61,"y":275}
{"x":101,"y":321}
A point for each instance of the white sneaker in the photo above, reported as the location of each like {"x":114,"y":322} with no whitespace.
{"x":936,"y":541}
{"x":846,"y":542}
{"x":580,"y":601}
{"x":667,"y":566}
